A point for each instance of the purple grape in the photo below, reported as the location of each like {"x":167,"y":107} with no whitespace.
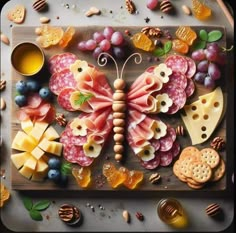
{"x":214,"y":47}
{"x":199,"y":77}
{"x":82,"y":46}
{"x":107,"y":32}
{"x":209,"y":82}
{"x":118,"y":52}
{"x":97,"y":52}
{"x":105,"y":45}
{"x":202,"y":66}
{"x":214,"y":71}
{"x":211,"y":55}
{"x":98,"y":37}
{"x":198,"y":55}
{"x":117,"y":38}
{"x":221,"y":59}
{"x":152,"y":4}
{"x":90,"y":44}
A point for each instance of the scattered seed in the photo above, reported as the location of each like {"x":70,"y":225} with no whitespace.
{"x":126,"y":216}
{"x":139,"y":216}
{"x":92,"y":11}
{"x":44,"y":19}
{"x":3,"y":104}
{"x":5,"y":39}
{"x":186,"y":10}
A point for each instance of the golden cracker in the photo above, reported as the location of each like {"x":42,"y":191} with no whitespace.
{"x":201,"y":172}
{"x":210,"y":156}
{"x":190,"y":151}
{"x":219,"y":171}
{"x":176,"y":171}
{"x":193,"y":186}
{"x":17,"y":14}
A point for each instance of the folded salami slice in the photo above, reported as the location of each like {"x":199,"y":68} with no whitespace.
{"x":191,"y":67}
{"x":189,"y":90}
{"x":75,"y":154}
{"x":59,"y":62}
{"x":63,"y":99}
{"x":58,"y":81}
{"x":177,"y":63}
{"x":166,"y":158}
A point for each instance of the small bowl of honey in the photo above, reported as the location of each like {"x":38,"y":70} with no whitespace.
{"x":27,"y":58}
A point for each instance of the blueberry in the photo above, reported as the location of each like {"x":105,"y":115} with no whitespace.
{"x":33,"y":85}
{"x":54,"y":174}
{"x":45,"y":93}
{"x":21,"y":100}
{"x":63,"y":181}
{"x":54,"y":163}
{"x":21,"y":87}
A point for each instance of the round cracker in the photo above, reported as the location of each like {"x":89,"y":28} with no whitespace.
{"x":219,"y":171}
{"x":210,"y":156}
{"x":192,"y":181}
{"x":201,"y":172}
{"x":185,"y":165}
{"x":176,"y":171}
{"x":194,"y":186}
{"x":190,"y":151}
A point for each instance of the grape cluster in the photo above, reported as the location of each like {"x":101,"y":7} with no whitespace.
{"x":108,"y":41}
{"x":31,"y":85}
{"x":209,"y":60}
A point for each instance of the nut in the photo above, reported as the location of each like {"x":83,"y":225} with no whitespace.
{"x":2,"y":84}
{"x":3,"y":104}
{"x":39,"y":5}
{"x":44,"y":19}
{"x":60,"y":119}
{"x":139,"y":216}
{"x":69,"y":214}
{"x":186,"y":10}
{"x":166,"y":6}
{"x":126,"y":216}
{"x":152,"y":31}
{"x":213,"y":209}
{"x":130,"y":6}
{"x":218,"y":143}
{"x":155,"y":178}
{"x":92,"y":11}
{"x":180,"y":130}
{"x":5,"y":39}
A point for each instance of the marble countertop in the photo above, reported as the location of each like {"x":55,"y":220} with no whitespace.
{"x":15,"y":217}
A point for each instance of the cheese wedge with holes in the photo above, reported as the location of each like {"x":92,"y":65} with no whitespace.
{"x":202,"y":116}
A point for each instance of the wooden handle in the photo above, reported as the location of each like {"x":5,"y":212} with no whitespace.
{"x":226,"y":12}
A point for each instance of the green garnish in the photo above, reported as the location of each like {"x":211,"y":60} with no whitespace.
{"x":162,"y":51}
{"x":82,"y":98}
{"x":66,"y":168}
{"x":34,"y":209}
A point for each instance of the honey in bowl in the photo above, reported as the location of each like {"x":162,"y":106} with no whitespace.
{"x":27,"y":58}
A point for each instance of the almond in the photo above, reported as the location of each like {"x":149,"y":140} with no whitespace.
{"x":3,"y":104}
{"x":5,"y":39}
{"x":44,"y":20}
{"x":186,"y":10}
{"x":126,"y":216}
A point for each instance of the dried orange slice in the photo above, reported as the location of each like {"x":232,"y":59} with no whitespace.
{"x":67,"y":36}
{"x":4,"y":195}
{"x":180,"y":46}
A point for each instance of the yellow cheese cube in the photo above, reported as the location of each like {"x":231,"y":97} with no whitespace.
{"x":51,"y":146}
{"x":23,"y":142}
{"x":51,"y":134}
{"x":41,"y":166}
{"x":39,"y":176}
{"x":27,"y":126}
{"x":38,"y":130}
{"x":37,"y":152}
{"x":31,"y":163}
{"x":26,"y":172}
{"x":44,"y":144}
{"x":19,"y":159}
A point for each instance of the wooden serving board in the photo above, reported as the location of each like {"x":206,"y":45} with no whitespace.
{"x":168,"y":182}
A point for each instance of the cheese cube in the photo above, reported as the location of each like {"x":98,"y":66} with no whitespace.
{"x":41,"y":166}
{"x":23,"y":142}
{"x":37,"y":152}
{"x":39,"y":176}
{"x":38,"y":130}
{"x":31,"y":163}
{"x":27,"y":126}
{"x":19,"y":159}
{"x":51,"y":146}
{"x":51,"y":134}
{"x":26,"y":172}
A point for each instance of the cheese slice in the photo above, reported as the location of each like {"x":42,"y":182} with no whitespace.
{"x":27,"y":126}
{"x":38,"y":130}
{"x":26,"y":172}
{"x":39,"y":176}
{"x":202,"y":116}
{"x":51,"y":146}
{"x":51,"y":134}
{"x":31,"y":163}
{"x":19,"y":159}
{"x":41,"y":166}
{"x":37,"y":152}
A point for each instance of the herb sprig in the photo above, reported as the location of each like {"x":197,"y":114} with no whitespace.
{"x":162,"y":51}
{"x":82,"y":98}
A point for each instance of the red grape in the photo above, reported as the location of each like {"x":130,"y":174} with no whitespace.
{"x":211,"y":54}
{"x":90,"y":44}
{"x":98,"y":37}
{"x":107,"y":32}
{"x":105,"y":45}
{"x":82,"y":46}
{"x":202,"y":66}
{"x":117,"y":38}
{"x":214,"y":71}
{"x":199,"y":77}
{"x":198,"y":55}
{"x":209,"y":82}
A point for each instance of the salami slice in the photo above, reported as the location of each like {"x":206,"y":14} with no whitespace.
{"x":60,"y":80}
{"x":166,"y":142}
{"x":152,"y":164}
{"x":156,"y":144}
{"x":75,"y":154}
{"x":59,"y":62}
{"x":175,"y":149}
{"x":189,"y":90}
{"x":191,"y":67}
{"x":178,"y":79}
{"x":172,"y":133}
{"x":68,"y":138}
{"x":177,"y":63}
{"x":165,"y":158}
{"x":63,"y":99}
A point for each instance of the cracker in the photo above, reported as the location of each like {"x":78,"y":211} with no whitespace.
{"x":176,"y":171}
{"x":17,"y":14}
{"x":190,"y":151}
{"x":194,"y":186}
{"x":186,"y":164}
{"x":192,"y":181}
{"x":210,"y":156}
{"x":201,"y":172}
{"x":219,"y":171}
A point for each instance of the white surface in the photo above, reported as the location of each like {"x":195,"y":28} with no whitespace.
{"x":14,"y":216}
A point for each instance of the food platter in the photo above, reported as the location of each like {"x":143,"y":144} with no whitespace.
{"x":169,"y":182}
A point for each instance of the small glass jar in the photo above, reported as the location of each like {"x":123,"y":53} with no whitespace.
{"x":171,"y":212}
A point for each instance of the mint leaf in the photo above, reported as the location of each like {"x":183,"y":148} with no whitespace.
{"x":82,"y":98}
{"x":27,"y":203}
{"x":199,"y":45}
{"x":35,"y":215}
{"x":66,"y":168}
{"x":203,"y":35}
{"x":214,"y":35}
{"x":41,"y":205}
{"x":167,"y":46}
{"x":159,"y":52}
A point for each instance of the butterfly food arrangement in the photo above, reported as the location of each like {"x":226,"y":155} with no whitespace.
{"x":122,"y":110}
